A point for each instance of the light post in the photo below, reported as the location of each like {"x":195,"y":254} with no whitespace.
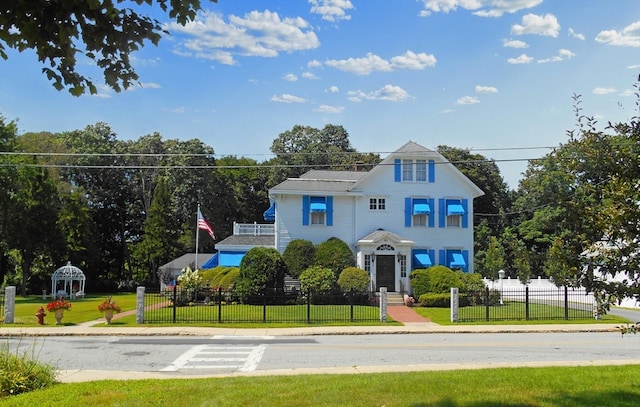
{"x":501,"y":276}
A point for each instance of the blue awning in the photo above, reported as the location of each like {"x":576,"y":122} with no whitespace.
{"x":270,"y":214}
{"x":455,"y":209}
{"x":421,"y":209}
{"x":231,"y":259}
{"x":211,"y":263}
{"x":421,"y":260}
{"x":318,"y":207}
{"x":457,"y":261}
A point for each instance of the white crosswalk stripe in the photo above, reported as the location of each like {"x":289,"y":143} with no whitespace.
{"x":241,"y":358}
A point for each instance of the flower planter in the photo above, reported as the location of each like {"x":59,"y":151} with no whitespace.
{"x":59,"y":314}
{"x":108,"y":315}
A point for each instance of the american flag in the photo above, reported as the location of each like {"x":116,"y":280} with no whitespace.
{"x":204,"y":225}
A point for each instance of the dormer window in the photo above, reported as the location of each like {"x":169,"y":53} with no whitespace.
{"x":408,"y":170}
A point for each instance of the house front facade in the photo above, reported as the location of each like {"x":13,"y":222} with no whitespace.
{"x":413,"y":210}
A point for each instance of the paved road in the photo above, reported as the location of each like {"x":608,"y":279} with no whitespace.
{"x":178,"y":356}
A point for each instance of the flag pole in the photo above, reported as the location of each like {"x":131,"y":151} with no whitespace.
{"x":197,"y":235}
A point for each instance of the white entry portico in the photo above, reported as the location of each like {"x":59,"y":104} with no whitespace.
{"x":386,"y":257}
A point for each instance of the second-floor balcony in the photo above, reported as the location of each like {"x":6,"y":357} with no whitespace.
{"x":254,"y":229}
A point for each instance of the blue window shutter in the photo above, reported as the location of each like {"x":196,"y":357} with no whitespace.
{"x":432,"y":214}
{"x":408,"y":210}
{"x":442,"y":212}
{"x":465,"y":255}
{"x":465,"y":217}
{"x":442,"y":257}
{"x":306,"y":202}
{"x":397,"y":170}
{"x":329,"y":213}
{"x":432,"y":171}
{"x":432,"y":256}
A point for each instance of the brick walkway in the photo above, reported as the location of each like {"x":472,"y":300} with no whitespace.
{"x":402,"y":313}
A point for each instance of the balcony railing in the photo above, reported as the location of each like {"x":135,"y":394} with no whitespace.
{"x":254,"y":229}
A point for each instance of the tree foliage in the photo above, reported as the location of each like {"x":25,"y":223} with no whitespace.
{"x":353,"y":279}
{"x":298,"y":256}
{"x":261,"y":267}
{"x":317,"y":279}
{"x":106,"y":32}
{"x":334,"y":254}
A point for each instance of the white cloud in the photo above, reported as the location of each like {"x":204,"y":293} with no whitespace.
{"x":309,"y":75}
{"x":628,"y":37}
{"x":333,"y":89}
{"x":314,"y":64}
{"x":372,"y":62}
{"x":574,"y":34}
{"x":633,"y":66}
{"x":329,"y":109}
{"x":177,"y":110}
{"x":627,"y":92}
{"x":468,"y":100}
{"x":603,"y":91}
{"x":150,"y":85}
{"x":286,"y":98}
{"x":486,"y":89}
{"x":290,"y":77}
{"x":514,"y":44}
{"x":387,"y":93}
{"x":563,"y":54}
{"x":546,"y":25}
{"x":331,"y":10}
{"x":262,"y":34}
{"x":481,"y":8}
{"x":522,"y":59}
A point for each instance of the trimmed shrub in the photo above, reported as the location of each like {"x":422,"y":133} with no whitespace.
{"x":298,"y":256}
{"x":20,"y":373}
{"x":441,"y":300}
{"x":436,"y":279}
{"x":229,"y":279}
{"x":353,"y":279}
{"x":318,"y":279}
{"x":334,"y":254}
{"x":261,"y":267}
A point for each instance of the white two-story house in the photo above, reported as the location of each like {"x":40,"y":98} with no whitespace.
{"x":413,"y":210}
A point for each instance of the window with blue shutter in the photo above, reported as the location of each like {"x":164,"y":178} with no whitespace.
{"x":397,"y":170}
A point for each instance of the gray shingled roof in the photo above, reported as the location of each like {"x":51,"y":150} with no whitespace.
{"x":334,"y":175}
{"x":186,"y":260}
{"x":247,"y":240}
{"x":412,"y":147}
{"x":305,"y":184}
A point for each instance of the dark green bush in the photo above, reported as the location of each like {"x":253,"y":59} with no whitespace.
{"x":334,"y":254}
{"x":20,"y":373}
{"x":261,"y":267}
{"x":436,"y":279}
{"x":318,"y":279}
{"x":353,"y":279}
{"x":298,"y":256}
{"x":441,"y":300}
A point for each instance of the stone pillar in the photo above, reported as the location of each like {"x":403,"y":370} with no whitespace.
{"x":140,"y":305}
{"x":383,"y":304}
{"x":9,"y":304}
{"x":455,"y":303}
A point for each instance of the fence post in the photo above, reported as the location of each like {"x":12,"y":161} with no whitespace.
{"x":383,"y":304}
{"x":264,"y":305}
{"x":140,"y":305}
{"x":455,"y":303}
{"x":309,"y":306}
{"x":526,"y":302}
{"x":9,"y":304}
{"x":219,"y":304}
{"x":175,"y":300}
{"x":351,"y":304}
{"x":566,"y":303}
{"x":486,"y":302}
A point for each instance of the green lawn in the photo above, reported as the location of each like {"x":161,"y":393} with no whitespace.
{"x":442,"y":316}
{"x":82,"y":310}
{"x":553,"y":386}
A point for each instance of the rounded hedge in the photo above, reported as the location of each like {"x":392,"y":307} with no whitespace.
{"x":353,"y":279}
{"x":334,"y":254}
{"x":318,"y":279}
{"x":298,"y":256}
{"x":260,"y":268}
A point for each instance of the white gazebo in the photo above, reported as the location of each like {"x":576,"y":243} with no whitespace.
{"x":68,"y":281}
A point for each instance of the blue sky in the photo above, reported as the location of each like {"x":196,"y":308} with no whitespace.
{"x":494,"y":76}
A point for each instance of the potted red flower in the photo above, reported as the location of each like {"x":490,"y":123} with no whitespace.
{"x":58,"y":306}
{"x":109,"y":307}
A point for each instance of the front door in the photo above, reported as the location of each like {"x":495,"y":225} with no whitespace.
{"x":386,"y":272}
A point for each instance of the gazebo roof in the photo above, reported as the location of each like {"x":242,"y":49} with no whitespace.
{"x":68,"y":272}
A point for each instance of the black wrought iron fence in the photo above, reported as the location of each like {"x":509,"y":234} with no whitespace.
{"x":525,"y":304}
{"x":1,"y":305}
{"x":179,"y":305}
